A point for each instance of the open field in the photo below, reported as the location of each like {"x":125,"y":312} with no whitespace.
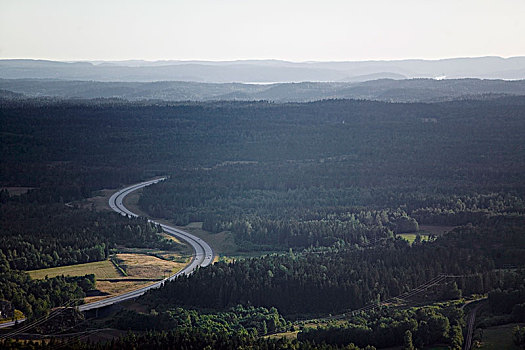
{"x":101,"y":269}
{"x":110,"y":281}
{"x":411,"y":237}
{"x":286,"y":335}
{"x":99,"y":201}
{"x":180,"y":256}
{"x":244,"y":255}
{"x":498,"y":338}
{"x":109,"y":288}
{"x":136,"y":265}
{"x":146,"y":266}
{"x":222,"y":243}
{"x":302,"y":324}
{"x":425,"y":231}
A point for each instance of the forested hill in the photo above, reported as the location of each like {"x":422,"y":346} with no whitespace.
{"x":102,"y":143}
{"x":410,"y":90}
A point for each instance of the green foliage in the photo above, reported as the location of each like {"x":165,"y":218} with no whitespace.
{"x":36,"y":297}
{"x":391,"y":327}
{"x":239,"y":319}
{"x":341,"y":278}
{"x":407,"y":341}
{"x":259,"y":204}
{"x":518,"y":336}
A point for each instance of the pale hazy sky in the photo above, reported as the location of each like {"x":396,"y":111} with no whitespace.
{"x":296,"y":30}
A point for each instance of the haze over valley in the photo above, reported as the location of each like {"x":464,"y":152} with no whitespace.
{"x":265,"y":71}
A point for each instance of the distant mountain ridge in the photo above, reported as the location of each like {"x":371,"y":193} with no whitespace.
{"x":264,"y":71}
{"x":409,"y":90}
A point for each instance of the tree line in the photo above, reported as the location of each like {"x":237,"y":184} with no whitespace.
{"x":239,"y":319}
{"x":419,"y":326}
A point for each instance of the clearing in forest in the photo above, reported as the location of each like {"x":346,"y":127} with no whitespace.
{"x":411,"y":237}
{"x":101,"y":269}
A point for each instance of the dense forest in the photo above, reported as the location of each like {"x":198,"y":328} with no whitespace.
{"x":278,"y":175}
{"x":231,"y":200}
{"x":345,"y":278}
{"x":329,"y":184}
{"x":84,"y":145}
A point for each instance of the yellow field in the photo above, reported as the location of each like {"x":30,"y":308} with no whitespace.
{"x":182,"y":256}
{"x":116,"y":288}
{"x":146,"y":266}
{"x":101,"y":269}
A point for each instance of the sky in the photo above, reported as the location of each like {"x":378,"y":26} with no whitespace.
{"x":293,"y":30}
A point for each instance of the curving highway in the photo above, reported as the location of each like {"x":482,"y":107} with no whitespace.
{"x":203,"y":254}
